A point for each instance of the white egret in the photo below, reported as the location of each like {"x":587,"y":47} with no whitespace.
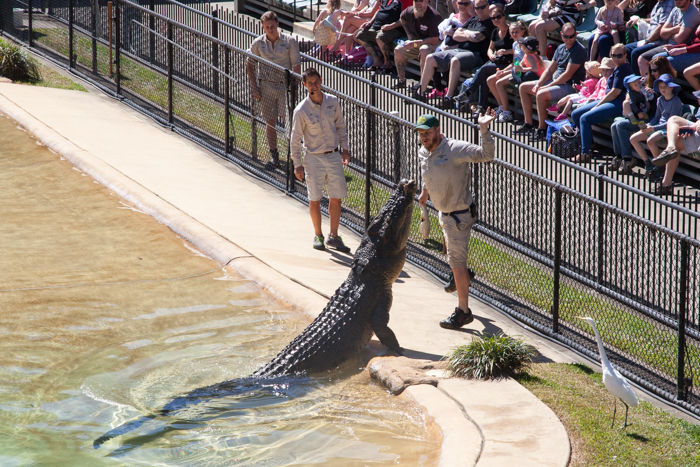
{"x":614,"y":382}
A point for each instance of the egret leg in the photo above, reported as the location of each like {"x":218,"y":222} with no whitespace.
{"x":627,"y":408}
{"x":614,"y":413}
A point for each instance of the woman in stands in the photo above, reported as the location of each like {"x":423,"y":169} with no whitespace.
{"x":608,"y":107}
{"x":332,"y":12}
{"x":554,"y":15}
{"x":350,"y":22}
{"x":500,"y":54}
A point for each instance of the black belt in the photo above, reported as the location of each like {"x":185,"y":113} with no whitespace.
{"x":453,"y":214}
{"x":328,"y":152}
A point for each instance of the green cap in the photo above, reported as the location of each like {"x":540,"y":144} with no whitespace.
{"x":426,"y":122}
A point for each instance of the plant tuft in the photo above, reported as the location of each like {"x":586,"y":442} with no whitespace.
{"x":16,"y":64}
{"x":490,"y":357}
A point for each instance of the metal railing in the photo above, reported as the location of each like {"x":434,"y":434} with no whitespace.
{"x":543,"y":252}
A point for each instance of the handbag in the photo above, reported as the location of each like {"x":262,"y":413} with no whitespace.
{"x":566,"y":143}
{"x":326,"y":33}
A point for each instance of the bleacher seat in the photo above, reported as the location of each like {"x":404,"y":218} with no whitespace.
{"x":530,"y":17}
{"x":532,"y":8}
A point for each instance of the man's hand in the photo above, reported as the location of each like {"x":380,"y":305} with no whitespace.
{"x":299,"y":172}
{"x":647,"y":130}
{"x":386,"y":27}
{"x":256,"y":93}
{"x":411,"y":44}
{"x":423,"y":198}
{"x":485,"y":119}
{"x":345,"y":156}
{"x":677,"y":51}
{"x":365,"y":25}
{"x":535,"y":88}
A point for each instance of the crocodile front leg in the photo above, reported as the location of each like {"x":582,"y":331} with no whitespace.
{"x":380,"y":323}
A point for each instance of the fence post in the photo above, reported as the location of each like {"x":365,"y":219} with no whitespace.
{"x":151,"y":28}
{"x":118,"y":45}
{"x":215,"y":51}
{"x":170,"y":71}
{"x":93,"y":24}
{"x":70,"y":33}
{"x":291,"y":87}
{"x":557,"y":258}
{"x":369,"y":131}
{"x":601,"y":214}
{"x":682,"y":300}
{"x":29,"y":6}
{"x":227,"y":97}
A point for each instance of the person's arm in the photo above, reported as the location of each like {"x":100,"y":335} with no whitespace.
{"x":654,"y":122}
{"x":295,"y":140}
{"x":463,"y":35}
{"x":390,"y":26}
{"x":423,"y":198}
{"x":529,"y":60}
{"x":373,"y":16}
{"x":609,"y":97}
{"x":491,"y":51}
{"x":250,"y":69}
{"x":295,"y":56}
{"x":320,"y":18}
{"x":546,"y":75}
{"x":599,"y":19}
{"x":623,"y":4}
{"x":682,"y":35}
{"x":668,"y":29}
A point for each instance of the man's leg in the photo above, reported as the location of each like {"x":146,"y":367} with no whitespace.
{"x":525,"y":91}
{"x":271,"y":132}
{"x":315,"y":211}
{"x":691,"y":75}
{"x":543,"y":98}
{"x":455,"y":72}
{"x":462,"y":280}
{"x":367,"y":39}
{"x":400,"y":63}
{"x":428,"y":71}
{"x":334,"y":209}
{"x":386,"y":52}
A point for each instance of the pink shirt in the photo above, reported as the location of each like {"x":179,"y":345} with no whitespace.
{"x":589,"y":87}
{"x":599,"y":91}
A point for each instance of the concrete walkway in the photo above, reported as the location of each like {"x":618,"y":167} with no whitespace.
{"x":266,"y":236}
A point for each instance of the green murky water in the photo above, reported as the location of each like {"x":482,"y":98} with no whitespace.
{"x":106,"y":315}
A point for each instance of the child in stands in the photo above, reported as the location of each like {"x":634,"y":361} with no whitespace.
{"x":585,"y":90}
{"x":638,"y":101}
{"x":518,"y":31}
{"x":609,"y":21}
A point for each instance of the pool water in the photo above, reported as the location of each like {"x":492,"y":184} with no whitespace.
{"x":106,"y":315}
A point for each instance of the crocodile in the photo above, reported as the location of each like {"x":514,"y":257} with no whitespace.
{"x":358,"y":309}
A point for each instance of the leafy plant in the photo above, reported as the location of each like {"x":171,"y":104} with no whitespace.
{"x":16,"y":64}
{"x":490,"y":357}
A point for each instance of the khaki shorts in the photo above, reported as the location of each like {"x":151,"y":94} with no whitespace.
{"x":325,"y":169}
{"x":457,"y":237}
{"x":273,"y":101}
{"x":414,"y":52}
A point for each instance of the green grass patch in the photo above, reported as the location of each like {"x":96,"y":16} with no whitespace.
{"x":577,"y":395}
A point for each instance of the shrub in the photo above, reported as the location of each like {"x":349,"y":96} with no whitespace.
{"x":16,"y":64}
{"x":490,"y":357}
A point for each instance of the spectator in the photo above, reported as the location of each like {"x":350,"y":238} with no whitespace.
{"x":684,"y":56}
{"x":683,"y":137}
{"x":500,"y":54}
{"x":466,"y":49}
{"x":421,"y":25}
{"x":528,"y":68}
{"x":585,"y":90}
{"x":678,"y":29}
{"x":445,"y":165}
{"x":608,"y":107}
{"x":352,"y":20}
{"x":608,"y":22}
{"x":555,"y":15}
{"x":319,"y":127}
{"x":268,"y":86}
{"x":659,"y":15}
{"x":465,"y":10}
{"x":383,"y":27}
{"x":657,"y":67}
{"x":556,"y":82}
{"x":332,"y":12}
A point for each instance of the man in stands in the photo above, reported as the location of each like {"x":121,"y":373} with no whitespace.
{"x":565,"y":70}
{"x":465,"y":50}
{"x":678,"y":29}
{"x":421,"y":25}
{"x":283,"y":50}
{"x":659,"y":15}
{"x":382,"y":27}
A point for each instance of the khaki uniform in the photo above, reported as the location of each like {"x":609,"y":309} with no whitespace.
{"x":447,"y":177}
{"x":322,"y":129}
{"x":285,"y":53}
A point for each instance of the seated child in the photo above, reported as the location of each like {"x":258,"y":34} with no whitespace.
{"x":609,"y":21}
{"x":638,"y":107}
{"x":585,"y":90}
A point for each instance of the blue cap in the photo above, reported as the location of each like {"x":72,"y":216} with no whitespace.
{"x":668,"y":81}
{"x":631,"y":79}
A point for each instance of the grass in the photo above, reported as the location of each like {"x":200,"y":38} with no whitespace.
{"x":46,"y":76}
{"x":577,"y":395}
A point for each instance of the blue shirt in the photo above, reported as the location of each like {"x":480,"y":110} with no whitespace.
{"x":664,"y":110}
{"x":617,"y":81}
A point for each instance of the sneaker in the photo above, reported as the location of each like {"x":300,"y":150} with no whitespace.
{"x":615,"y":164}
{"x":462,"y":97}
{"x":506,"y":116}
{"x":552,"y":108}
{"x":399,"y":85}
{"x":318,"y":243}
{"x":457,"y":319}
{"x":663,"y":190}
{"x":525,"y":129}
{"x":337,"y":243}
{"x":665,"y":157}
{"x":633,"y":120}
{"x":655,"y":174}
{"x":447,"y":102}
{"x":561,"y":117}
{"x":436,"y":94}
{"x":451,"y":286}
{"x":539,"y":135}
{"x":415,"y":87}
{"x":627,"y":166}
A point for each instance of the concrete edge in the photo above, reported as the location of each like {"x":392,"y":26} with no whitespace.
{"x":458,"y":432}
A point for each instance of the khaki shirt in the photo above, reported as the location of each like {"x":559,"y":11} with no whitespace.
{"x":446,"y":172}
{"x":283,"y":52}
{"x":322,"y":127}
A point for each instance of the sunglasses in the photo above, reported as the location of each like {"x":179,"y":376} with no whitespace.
{"x":481,"y":7}
{"x":654,"y":70}
{"x":494,"y":18}
{"x":617,"y":55}
{"x":463,"y":3}
{"x":567,"y":36}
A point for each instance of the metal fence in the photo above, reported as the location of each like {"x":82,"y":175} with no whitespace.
{"x":543,"y":251}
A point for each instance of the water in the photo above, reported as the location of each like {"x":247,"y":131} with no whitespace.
{"x":106,"y":315}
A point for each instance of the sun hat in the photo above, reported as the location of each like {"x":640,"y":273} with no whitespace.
{"x":530,"y":42}
{"x":631,"y":79}
{"x":668,"y":81}
{"x":607,"y":64}
{"x":426,"y":122}
{"x":593,"y":67}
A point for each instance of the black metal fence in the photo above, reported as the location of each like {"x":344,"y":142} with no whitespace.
{"x":543,"y":251}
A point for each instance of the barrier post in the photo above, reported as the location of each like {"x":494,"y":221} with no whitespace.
{"x":557,"y":258}
{"x":151,"y":28}
{"x":170,"y":71}
{"x":215,"y":52}
{"x":601,"y":219}
{"x":29,"y":6}
{"x":117,"y":35}
{"x":227,"y":111}
{"x":682,"y":299}
{"x":71,"y":7}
